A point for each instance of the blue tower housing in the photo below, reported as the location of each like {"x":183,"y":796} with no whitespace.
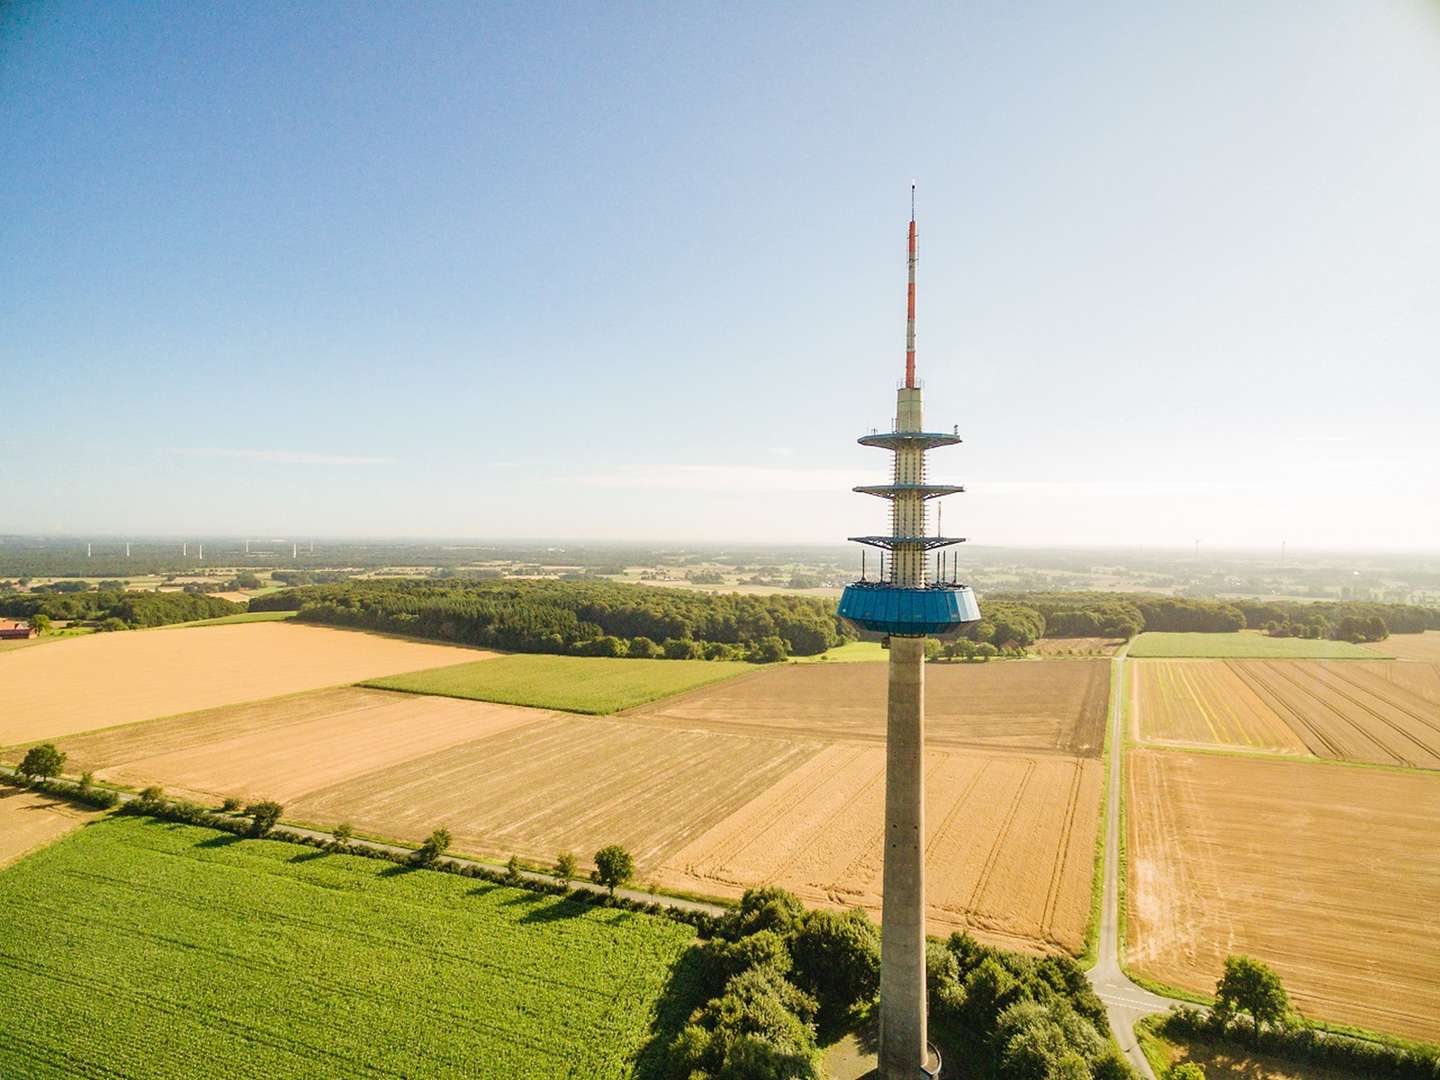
{"x":909,"y":598}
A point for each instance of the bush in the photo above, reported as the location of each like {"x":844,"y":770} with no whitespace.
{"x":565,"y":868}
{"x":1186,"y":1070}
{"x":42,"y":762}
{"x":263,"y":816}
{"x":342,"y":834}
{"x":230,"y":804}
{"x":435,"y":845}
{"x":614,"y":866}
{"x":761,"y":1027}
{"x":1249,"y":988}
{"x":512,"y":871}
{"x":837,"y":959}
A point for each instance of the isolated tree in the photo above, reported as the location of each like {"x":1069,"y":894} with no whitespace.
{"x":565,"y":868}
{"x":614,"y":866}
{"x":435,"y":845}
{"x":1250,"y":988}
{"x":263,"y":816}
{"x":43,"y":761}
{"x":40,"y":623}
{"x":343,"y":833}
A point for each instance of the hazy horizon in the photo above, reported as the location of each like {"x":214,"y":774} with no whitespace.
{"x":639,"y":277}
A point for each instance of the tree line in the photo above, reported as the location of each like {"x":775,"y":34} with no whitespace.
{"x":111,"y":610}
{"x":584,"y":618}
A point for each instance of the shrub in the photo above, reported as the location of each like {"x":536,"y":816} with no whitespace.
{"x":565,"y":868}
{"x":837,"y":959}
{"x":1186,"y":1070}
{"x":263,"y":816}
{"x":512,"y":871}
{"x":342,"y":834}
{"x":230,"y":804}
{"x":43,"y":761}
{"x":435,"y":845}
{"x":760,"y":1027}
{"x":614,"y":866}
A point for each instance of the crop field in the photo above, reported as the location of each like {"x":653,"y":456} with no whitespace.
{"x":106,"y":679}
{"x":1329,"y":874}
{"x":583,"y":684}
{"x":261,"y":958}
{"x":1056,"y":706}
{"x":1204,"y":701}
{"x":1010,"y":841}
{"x":564,"y":782}
{"x":1248,"y":644}
{"x":1381,"y":712}
{"x":1075,"y":646}
{"x":1424,"y":646}
{"x":285,"y":747}
{"x":32,"y":819}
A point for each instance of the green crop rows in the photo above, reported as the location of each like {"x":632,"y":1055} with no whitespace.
{"x":583,"y":684}
{"x":1246,"y":646}
{"x":138,"y":948}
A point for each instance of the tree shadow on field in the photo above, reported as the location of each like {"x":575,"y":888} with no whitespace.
{"x":557,"y":909}
{"x":221,"y":840}
{"x":308,"y":856}
{"x":684,"y":992}
{"x":483,"y":890}
{"x":396,"y":869}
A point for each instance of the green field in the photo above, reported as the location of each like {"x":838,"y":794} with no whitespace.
{"x":241,"y":617}
{"x":582,"y":684}
{"x":1245,"y":645}
{"x":140,"y":948}
{"x":851,"y":652}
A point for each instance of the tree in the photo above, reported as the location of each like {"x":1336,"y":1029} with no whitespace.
{"x":40,"y":623}
{"x":343,"y":833}
{"x":43,"y":761}
{"x":263,"y":816}
{"x":837,"y":958}
{"x":614,"y":866}
{"x":435,"y":845}
{"x":565,"y":868}
{"x":1249,"y":987}
{"x":512,"y":871}
{"x":769,"y":650}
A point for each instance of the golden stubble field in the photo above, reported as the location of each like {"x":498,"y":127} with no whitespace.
{"x":1381,"y":712}
{"x":105,"y":679}
{"x":713,"y":806}
{"x":1330,"y":874}
{"x":32,"y":819}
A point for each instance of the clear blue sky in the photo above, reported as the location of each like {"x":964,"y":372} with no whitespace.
{"x":638,"y":272}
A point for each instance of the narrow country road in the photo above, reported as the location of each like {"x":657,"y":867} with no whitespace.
{"x":1124,"y":1000}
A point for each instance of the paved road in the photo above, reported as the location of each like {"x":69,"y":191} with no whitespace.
{"x":1125,"y":1001}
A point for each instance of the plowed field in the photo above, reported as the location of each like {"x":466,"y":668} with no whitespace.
{"x":1056,"y":706}
{"x":1331,"y":875}
{"x":106,"y":679}
{"x":1386,"y":713}
{"x":32,"y":819}
{"x":1009,"y":841}
{"x":1424,"y":646}
{"x":563,"y":782}
{"x":1204,"y":701}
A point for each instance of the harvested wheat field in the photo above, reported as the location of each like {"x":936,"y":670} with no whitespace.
{"x":1329,"y":874}
{"x":32,"y":819}
{"x":1203,"y":701}
{"x":106,"y":679}
{"x":1075,"y":646}
{"x":1424,"y":646}
{"x":1381,"y":712}
{"x":563,"y":782}
{"x":1009,"y":847}
{"x":1056,"y":706}
{"x":284,"y":748}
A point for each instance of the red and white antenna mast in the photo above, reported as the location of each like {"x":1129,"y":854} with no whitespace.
{"x":910,"y":303}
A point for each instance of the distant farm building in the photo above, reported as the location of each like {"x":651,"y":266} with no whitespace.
{"x":16,"y":630}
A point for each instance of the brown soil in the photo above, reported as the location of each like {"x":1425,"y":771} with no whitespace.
{"x":1329,"y":874}
{"x":1056,"y":706}
{"x":105,"y":679}
{"x":31,"y":819}
{"x":1010,"y":841}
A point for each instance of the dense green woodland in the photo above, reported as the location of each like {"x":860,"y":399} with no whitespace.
{"x":111,"y":609}
{"x":1123,"y":615}
{"x":583,"y":618}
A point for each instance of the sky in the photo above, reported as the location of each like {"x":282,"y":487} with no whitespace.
{"x":638,"y":272}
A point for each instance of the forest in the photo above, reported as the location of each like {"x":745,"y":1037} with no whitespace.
{"x":115,"y":610}
{"x":584,"y":618}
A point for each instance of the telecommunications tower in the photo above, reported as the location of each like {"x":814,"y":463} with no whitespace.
{"x":909,"y":602}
